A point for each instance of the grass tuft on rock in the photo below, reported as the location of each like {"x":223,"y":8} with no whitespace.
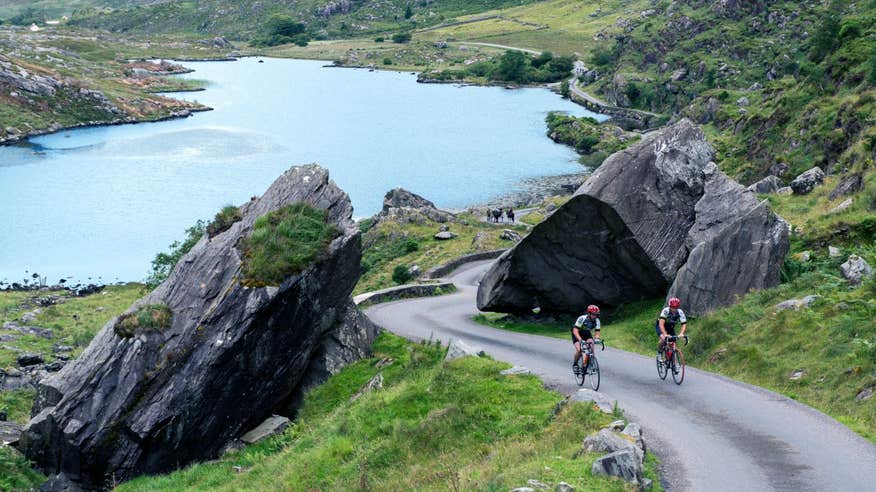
{"x":285,"y":242}
{"x":145,"y":318}
{"x":224,"y":220}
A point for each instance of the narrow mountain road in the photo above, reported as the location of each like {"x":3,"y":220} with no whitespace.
{"x":710,"y":433}
{"x":501,"y":46}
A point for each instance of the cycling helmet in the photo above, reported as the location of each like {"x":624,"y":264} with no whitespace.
{"x":593,"y":309}
{"x":674,"y":302}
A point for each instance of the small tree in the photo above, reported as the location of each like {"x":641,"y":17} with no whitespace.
{"x":512,"y":67}
{"x":408,"y":12}
{"x":401,"y":37}
{"x":564,"y":89}
{"x":401,"y":274}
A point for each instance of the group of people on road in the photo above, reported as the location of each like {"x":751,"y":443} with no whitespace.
{"x":495,"y":215}
{"x":587,"y":328}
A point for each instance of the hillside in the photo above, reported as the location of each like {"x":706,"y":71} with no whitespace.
{"x":241,"y":20}
{"x":58,"y":78}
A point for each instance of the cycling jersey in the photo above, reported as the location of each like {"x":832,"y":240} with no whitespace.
{"x":584,"y":325}
{"x":671,"y":319}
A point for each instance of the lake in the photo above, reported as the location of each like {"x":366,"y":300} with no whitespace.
{"x":101,"y":202}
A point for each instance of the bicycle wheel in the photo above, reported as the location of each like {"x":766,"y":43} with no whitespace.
{"x":579,"y":376}
{"x":661,"y":367}
{"x":593,"y":371}
{"x":678,"y":367}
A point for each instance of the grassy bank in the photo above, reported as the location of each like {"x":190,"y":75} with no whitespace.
{"x":433,"y":426}
{"x":391,"y":244}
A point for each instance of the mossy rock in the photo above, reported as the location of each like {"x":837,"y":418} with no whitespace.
{"x":285,"y":242}
{"x":152,"y":317}
{"x":224,"y":220}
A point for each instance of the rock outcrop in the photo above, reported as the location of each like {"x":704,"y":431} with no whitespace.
{"x":162,"y":398}
{"x":403,"y":206}
{"x":655,"y":215}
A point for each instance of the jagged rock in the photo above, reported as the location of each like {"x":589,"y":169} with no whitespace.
{"x":769,"y":184}
{"x":523,"y":489}
{"x":607,"y":441}
{"x":55,"y":366}
{"x":833,"y":252}
{"x":164,"y":398}
{"x":29,"y":330}
{"x":779,"y":169}
{"x":849,"y":185}
{"x":509,"y":235}
{"x":10,"y":432}
{"x":864,"y":394}
{"x":273,"y":425}
{"x":537,"y":484}
{"x":458,"y":349}
{"x":742,"y":101}
{"x":803,"y":256}
{"x":797,"y":374}
{"x":624,"y":464}
{"x":856,"y":269}
{"x":678,"y":75}
{"x":375,"y":383}
{"x":414,"y":271}
{"x":30,"y":360}
{"x":480,"y":241}
{"x":806,"y":182}
{"x":403,"y":206}
{"x":564,"y":487}
{"x":619,"y":238}
{"x":842,"y":206}
{"x":617,"y":425}
{"x":60,"y":483}
{"x":785,"y":190}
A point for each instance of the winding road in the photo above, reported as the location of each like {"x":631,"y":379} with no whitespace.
{"x":711,"y":433}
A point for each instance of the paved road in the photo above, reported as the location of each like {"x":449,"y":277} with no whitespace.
{"x":711,"y":433}
{"x":502,"y":46}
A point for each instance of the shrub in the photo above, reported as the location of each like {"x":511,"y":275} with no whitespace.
{"x":401,"y":274}
{"x":145,"y":318}
{"x":223,"y":220}
{"x":387,"y":61}
{"x":401,"y":37}
{"x":285,"y":242}
{"x":410,"y":245}
{"x":379,"y":39}
{"x":564,"y":89}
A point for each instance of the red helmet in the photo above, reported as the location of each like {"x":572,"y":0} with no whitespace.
{"x":674,"y":302}
{"x":593,"y":309}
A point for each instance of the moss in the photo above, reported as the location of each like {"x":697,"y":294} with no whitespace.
{"x":224,"y":219}
{"x":285,"y":242}
{"x":145,"y":318}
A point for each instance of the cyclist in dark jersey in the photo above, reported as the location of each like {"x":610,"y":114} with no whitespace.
{"x":669,"y":318}
{"x":582,"y":331}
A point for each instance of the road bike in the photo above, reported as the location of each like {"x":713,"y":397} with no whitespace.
{"x":592,"y":368}
{"x":671,"y":360}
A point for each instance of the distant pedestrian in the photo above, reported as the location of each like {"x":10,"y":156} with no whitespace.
{"x":510,"y":214}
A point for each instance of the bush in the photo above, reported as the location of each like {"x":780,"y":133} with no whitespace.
{"x":387,"y":61}
{"x":379,"y":39}
{"x":145,"y":318}
{"x":223,"y":220}
{"x":564,"y":89}
{"x":410,"y":245}
{"x":401,"y":37}
{"x":285,"y":242}
{"x":401,"y":274}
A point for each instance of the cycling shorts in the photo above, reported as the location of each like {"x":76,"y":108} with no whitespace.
{"x":670,"y":328}
{"x":585,"y":335}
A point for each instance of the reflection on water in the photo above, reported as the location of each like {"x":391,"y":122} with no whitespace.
{"x":102,"y":201}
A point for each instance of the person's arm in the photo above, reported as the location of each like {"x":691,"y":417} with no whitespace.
{"x":683,"y":329}
{"x":662,"y":327}
{"x":597,"y":329}
{"x":576,"y":333}
{"x":683,"y":320}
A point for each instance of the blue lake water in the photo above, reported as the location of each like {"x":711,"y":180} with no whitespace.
{"x":101,"y":202}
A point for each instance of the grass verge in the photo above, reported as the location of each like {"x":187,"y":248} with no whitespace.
{"x":433,"y":426}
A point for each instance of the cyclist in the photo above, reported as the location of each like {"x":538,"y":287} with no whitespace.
{"x":669,"y":317}
{"x":581,"y":332}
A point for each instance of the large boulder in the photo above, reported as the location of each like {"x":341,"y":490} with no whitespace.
{"x":649,"y":214}
{"x":152,"y":400}
{"x":806,"y":182}
{"x":403,"y":206}
{"x":849,"y":185}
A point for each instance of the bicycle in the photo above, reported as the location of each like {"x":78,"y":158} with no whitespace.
{"x":671,"y":359}
{"x":592,"y":368}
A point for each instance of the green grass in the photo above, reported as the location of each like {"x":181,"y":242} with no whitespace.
{"x":391,"y":244}
{"x":224,"y":219}
{"x":433,"y":426}
{"x":285,"y":242}
{"x":16,"y":473}
{"x":146,"y":318}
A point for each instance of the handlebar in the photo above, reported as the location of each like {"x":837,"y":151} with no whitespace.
{"x":675,"y":338}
